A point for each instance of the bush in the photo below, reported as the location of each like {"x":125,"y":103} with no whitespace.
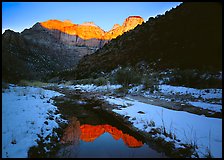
{"x":147,"y":82}
{"x":192,"y":78}
{"x":101,"y":81}
{"x":38,"y":84}
{"x":127,"y":76}
{"x":32,"y":83}
{"x":85,"y":81}
{"x":154,"y":88}
{"x":24,"y":83}
{"x":5,"y":85}
{"x":122,"y":90}
{"x":67,"y":83}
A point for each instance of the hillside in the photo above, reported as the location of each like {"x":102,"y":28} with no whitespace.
{"x":186,"y":37}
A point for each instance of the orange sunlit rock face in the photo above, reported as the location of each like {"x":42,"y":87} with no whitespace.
{"x":89,"y":30}
{"x":88,"y":133}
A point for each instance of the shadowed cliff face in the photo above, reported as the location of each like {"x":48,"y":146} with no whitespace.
{"x":37,"y":51}
{"x":89,"y":133}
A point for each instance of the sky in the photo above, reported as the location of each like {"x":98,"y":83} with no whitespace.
{"x":18,"y":16}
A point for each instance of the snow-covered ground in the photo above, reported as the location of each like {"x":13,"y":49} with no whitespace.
{"x":203,"y":98}
{"x":204,"y":93}
{"x":91,"y":87}
{"x":136,"y":89}
{"x":189,"y":128}
{"x":24,"y":113}
{"x":210,"y":106}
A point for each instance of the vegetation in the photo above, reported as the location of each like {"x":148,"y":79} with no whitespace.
{"x":126,"y":76}
{"x":195,"y":79}
{"x":32,"y":83}
{"x":5,"y":85}
{"x":101,"y":81}
{"x":173,"y":40}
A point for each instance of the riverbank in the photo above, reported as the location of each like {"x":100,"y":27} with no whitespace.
{"x":28,"y":116}
{"x":182,"y":139}
{"x":163,"y":126}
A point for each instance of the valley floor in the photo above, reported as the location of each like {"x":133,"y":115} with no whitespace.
{"x":190,"y":116}
{"x":166,"y":111}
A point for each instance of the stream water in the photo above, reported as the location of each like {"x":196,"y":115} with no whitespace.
{"x":98,"y":135}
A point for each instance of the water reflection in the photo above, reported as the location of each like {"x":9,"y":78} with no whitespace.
{"x":72,"y":132}
{"x":89,"y":133}
{"x":101,"y":141}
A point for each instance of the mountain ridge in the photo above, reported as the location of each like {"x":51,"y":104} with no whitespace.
{"x":38,"y":50}
{"x":89,"y":30}
{"x":185,"y":37}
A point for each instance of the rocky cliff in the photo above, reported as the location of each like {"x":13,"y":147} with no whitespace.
{"x":130,"y":23}
{"x":53,"y":46}
{"x":88,"y":33}
{"x":186,"y":37}
{"x":36,"y":52}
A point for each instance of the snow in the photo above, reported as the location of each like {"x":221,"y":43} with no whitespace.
{"x":204,"y":93}
{"x":24,"y":111}
{"x":186,"y":126}
{"x":92,"y":87}
{"x":118,"y":101}
{"x":213,"y":107}
{"x":136,"y":89}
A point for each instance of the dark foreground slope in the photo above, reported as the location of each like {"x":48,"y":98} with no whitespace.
{"x":186,"y":37}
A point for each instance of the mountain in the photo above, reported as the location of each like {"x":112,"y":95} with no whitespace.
{"x":88,"y":33}
{"x":186,"y":37}
{"x":36,"y":52}
{"x":53,"y":46}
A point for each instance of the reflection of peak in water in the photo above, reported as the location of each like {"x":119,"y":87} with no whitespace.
{"x":88,"y":133}
{"x":72,"y":132}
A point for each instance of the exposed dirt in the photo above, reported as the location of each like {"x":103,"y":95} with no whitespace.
{"x":178,"y":106}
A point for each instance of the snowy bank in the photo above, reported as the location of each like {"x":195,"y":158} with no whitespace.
{"x":92,"y":87}
{"x":204,"y":93}
{"x":210,"y":106}
{"x":24,"y":113}
{"x":189,"y":128}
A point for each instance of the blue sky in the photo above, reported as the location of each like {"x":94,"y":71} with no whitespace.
{"x":21,"y":15}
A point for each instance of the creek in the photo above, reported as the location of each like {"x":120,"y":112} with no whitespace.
{"x":93,"y":133}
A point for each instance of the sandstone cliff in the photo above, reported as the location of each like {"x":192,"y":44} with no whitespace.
{"x":186,"y":37}
{"x":53,"y":46}
{"x":88,"y":33}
